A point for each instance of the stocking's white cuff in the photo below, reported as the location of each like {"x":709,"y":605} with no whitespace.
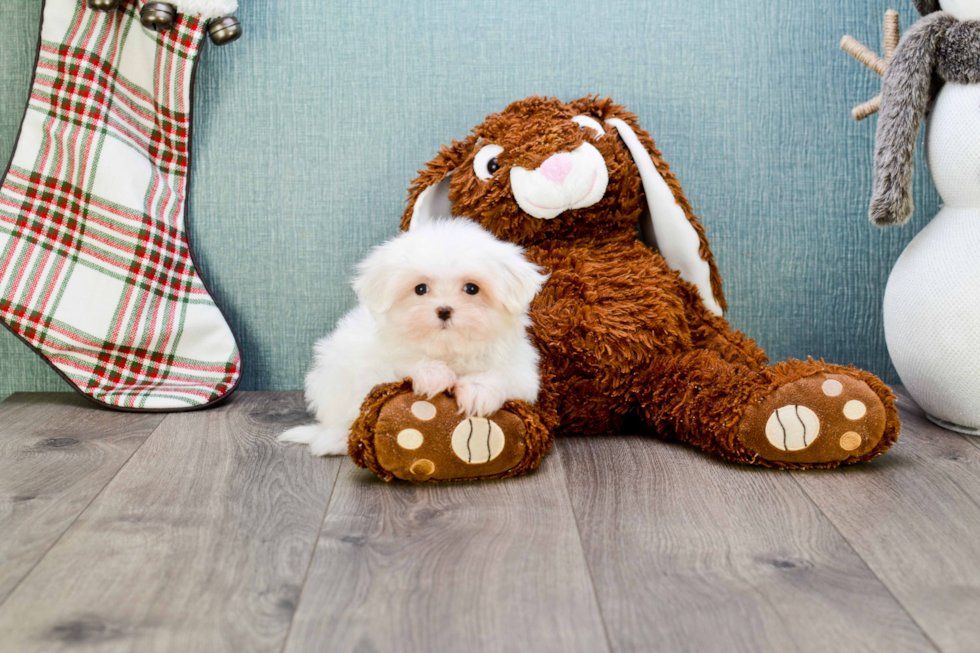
{"x":206,"y":9}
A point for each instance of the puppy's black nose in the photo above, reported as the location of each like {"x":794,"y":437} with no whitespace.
{"x":444,"y":312}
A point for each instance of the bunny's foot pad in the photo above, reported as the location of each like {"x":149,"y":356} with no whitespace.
{"x":402,"y":435}
{"x":819,"y":420}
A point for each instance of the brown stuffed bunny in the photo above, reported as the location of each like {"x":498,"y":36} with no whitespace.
{"x":624,"y":327}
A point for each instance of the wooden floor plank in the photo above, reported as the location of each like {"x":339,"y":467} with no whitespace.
{"x":493,"y":566}
{"x":57,"y":452}
{"x":203,"y":539}
{"x":200,"y":543}
{"x":689,"y":553}
{"x":914,"y":516}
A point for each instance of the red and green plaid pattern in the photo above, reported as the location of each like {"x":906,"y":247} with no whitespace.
{"x":95,"y":269}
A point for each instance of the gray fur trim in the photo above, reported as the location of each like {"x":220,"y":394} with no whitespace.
{"x":905,"y":97}
{"x":926,"y":6}
{"x":958,"y":54}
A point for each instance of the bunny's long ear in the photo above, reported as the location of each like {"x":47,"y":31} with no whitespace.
{"x":904,"y":99}
{"x":428,"y":197}
{"x":668,"y":223}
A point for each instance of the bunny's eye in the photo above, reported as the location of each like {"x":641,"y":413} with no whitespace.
{"x":592,"y":123}
{"x":485,"y":164}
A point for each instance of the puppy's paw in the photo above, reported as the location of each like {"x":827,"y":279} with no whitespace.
{"x":479,"y":398}
{"x":431,"y":378}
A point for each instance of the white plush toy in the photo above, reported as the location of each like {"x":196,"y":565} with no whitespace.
{"x":932,"y":300}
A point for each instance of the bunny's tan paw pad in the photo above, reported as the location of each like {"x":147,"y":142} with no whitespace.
{"x":824,"y":418}
{"x":418,"y":439}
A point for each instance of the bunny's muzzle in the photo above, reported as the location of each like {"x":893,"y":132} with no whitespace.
{"x":566,"y":180}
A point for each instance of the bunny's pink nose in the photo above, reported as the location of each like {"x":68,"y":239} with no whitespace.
{"x":557,"y":167}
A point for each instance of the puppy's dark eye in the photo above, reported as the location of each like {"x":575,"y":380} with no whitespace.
{"x":471,"y":289}
{"x":421,"y":289}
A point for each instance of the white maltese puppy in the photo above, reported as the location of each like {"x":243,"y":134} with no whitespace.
{"x":445,"y":304}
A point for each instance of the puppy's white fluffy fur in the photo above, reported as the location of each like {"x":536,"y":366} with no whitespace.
{"x":481,"y":353}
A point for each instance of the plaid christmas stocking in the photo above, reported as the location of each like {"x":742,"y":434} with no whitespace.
{"x":96,"y":272}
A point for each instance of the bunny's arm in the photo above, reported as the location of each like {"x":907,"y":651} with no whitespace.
{"x":905,"y":98}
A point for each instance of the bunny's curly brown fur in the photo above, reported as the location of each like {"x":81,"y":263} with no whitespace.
{"x":620,"y":332}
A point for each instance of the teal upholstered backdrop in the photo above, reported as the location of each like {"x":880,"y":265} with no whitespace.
{"x":309,"y":129}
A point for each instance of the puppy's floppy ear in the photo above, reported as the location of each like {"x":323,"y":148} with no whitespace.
{"x":518,"y":280}
{"x":668,"y":223}
{"x":376,"y":281}
{"x":428,"y":197}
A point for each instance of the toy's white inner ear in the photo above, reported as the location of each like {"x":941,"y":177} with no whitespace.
{"x":433,"y":203}
{"x":665,"y":225}
{"x":589,"y":121}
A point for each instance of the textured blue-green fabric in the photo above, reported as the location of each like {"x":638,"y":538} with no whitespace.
{"x":309,"y":129}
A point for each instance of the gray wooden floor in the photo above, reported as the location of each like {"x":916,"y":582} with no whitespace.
{"x":198,"y":532}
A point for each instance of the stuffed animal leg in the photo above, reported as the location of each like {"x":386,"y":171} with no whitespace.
{"x":796,"y":414}
{"x":401,"y":435}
